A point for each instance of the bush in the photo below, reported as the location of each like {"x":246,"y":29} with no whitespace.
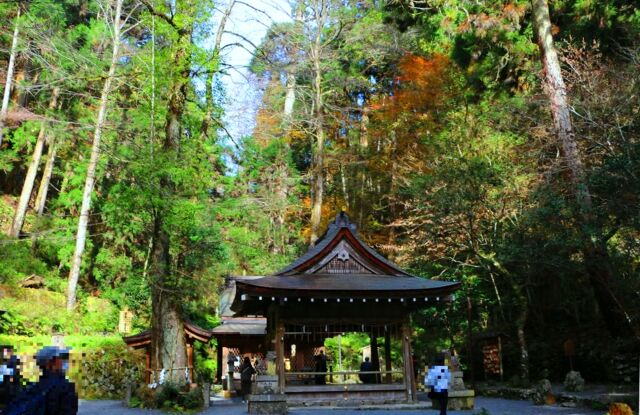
{"x":573,"y":382}
{"x":17,"y":262}
{"x":193,"y":399}
{"x":169,"y":396}
{"x":106,"y":372}
{"x":543,"y":393}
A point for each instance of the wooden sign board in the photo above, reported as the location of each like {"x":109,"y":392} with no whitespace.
{"x":492,"y":358}
{"x":125,"y":321}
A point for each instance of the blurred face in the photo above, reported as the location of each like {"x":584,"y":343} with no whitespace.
{"x":57,"y":365}
{"x":7,"y":353}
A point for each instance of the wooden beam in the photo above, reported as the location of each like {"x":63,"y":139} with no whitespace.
{"x":375,"y":358}
{"x":339,"y":390}
{"x":387,"y":356}
{"x":409,"y":377}
{"x":190,"y":361}
{"x":280,"y":355}
{"x":219,"y":362}
{"x":147,"y":373}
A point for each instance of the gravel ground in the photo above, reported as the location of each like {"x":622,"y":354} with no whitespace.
{"x":492,"y":405}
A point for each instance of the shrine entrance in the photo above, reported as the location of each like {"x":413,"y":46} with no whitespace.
{"x":315,"y":371}
{"x":339,"y":286}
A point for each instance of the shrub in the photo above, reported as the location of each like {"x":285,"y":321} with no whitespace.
{"x":166,"y":395}
{"x":573,"y":382}
{"x":106,"y":372}
{"x":543,"y":393}
{"x":17,"y":262}
{"x":169,"y":396}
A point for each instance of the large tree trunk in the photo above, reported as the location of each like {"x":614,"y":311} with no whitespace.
{"x":81,"y":235}
{"x":30,"y":178}
{"x":521,"y":321}
{"x":43,"y":189}
{"x":10,"y":70}
{"x":317,"y":181}
{"x":597,"y":260}
{"x":168,"y":343}
{"x":290,"y":96}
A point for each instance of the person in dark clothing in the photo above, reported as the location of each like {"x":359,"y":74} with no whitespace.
{"x":438,"y":379}
{"x":320,"y":366}
{"x":10,"y":378}
{"x":246,"y":373}
{"x":366,"y":366}
{"x":53,"y":394}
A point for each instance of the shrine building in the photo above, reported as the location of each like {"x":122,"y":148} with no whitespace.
{"x":341,"y":285}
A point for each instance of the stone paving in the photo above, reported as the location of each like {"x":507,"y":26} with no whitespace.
{"x":494,"y":406}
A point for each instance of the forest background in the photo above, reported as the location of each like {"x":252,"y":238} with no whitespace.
{"x":433,"y":123}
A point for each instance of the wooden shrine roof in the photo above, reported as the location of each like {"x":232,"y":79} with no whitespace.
{"x":341,"y":265}
{"x":339,"y":230}
{"x":243,"y":326}
{"x":375,"y":284}
{"x":191,"y":331}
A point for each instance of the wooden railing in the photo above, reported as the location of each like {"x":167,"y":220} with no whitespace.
{"x":381,"y":375}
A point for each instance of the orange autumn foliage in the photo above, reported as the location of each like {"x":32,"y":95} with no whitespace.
{"x":620,"y":409}
{"x":418,"y":86}
{"x":408,"y":113}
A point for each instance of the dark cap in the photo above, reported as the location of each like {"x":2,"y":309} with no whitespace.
{"x":49,"y":353}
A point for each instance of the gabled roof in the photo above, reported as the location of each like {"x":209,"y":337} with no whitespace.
{"x":341,"y":265}
{"x":143,"y":339}
{"x":341,"y":232}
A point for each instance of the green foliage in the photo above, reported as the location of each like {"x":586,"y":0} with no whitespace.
{"x":83,"y":343}
{"x":105,"y":372}
{"x":18,"y":263}
{"x":437,"y":142}
{"x":172,"y":398}
{"x":351,"y":345}
{"x":205,"y":362}
{"x":95,"y":315}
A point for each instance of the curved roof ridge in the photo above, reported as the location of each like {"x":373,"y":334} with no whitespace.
{"x":340,"y":223}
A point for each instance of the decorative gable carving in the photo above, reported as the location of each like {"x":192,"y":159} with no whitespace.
{"x":343,"y":259}
{"x":340,"y":251}
{"x":347,"y":266}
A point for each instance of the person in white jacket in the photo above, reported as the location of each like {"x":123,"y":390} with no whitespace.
{"x":438,"y":379}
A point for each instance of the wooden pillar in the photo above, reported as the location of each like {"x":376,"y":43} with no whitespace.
{"x":280,"y":355}
{"x":409,"y":376}
{"x":375,"y":358}
{"x":387,"y":356}
{"x":190,"y":361}
{"x":219,"y":362}
{"x":147,"y":372}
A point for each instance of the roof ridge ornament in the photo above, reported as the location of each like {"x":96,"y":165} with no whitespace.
{"x":342,"y":221}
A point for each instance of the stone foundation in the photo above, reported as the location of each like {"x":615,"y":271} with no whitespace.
{"x":459,"y":397}
{"x":267,"y":404}
{"x":265,"y":384}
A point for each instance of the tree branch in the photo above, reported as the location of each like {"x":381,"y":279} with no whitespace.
{"x":168,"y":19}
